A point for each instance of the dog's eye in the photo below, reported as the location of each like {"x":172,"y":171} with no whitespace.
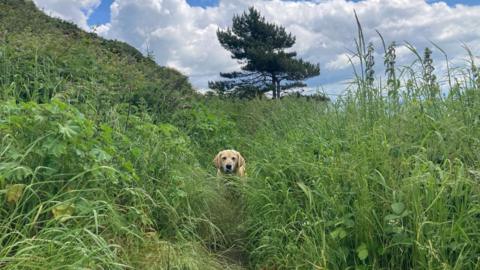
{"x":233,"y":158}
{"x":224,"y":158}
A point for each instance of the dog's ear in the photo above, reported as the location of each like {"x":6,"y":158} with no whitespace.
{"x":241,"y":160}
{"x":217,"y":161}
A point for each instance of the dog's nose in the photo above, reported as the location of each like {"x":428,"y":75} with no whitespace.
{"x":228,"y":166}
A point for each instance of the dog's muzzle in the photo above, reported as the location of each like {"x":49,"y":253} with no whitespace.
{"x":228,"y":168}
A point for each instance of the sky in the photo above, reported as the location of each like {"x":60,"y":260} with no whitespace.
{"x":182,"y":33}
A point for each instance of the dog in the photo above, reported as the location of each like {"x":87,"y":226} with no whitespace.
{"x":229,"y":162}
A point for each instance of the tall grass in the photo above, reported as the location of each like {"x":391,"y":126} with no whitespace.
{"x":370,"y":181}
{"x":332,"y":189}
{"x":87,"y":195}
{"x":385,"y":177}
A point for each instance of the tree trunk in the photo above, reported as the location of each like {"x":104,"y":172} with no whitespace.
{"x":274,"y":85}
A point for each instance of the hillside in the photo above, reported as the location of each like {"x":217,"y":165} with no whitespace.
{"x":55,"y":57}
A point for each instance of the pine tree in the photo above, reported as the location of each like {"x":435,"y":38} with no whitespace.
{"x":260,"y":47}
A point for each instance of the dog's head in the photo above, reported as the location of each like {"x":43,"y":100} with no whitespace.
{"x":229,"y":161}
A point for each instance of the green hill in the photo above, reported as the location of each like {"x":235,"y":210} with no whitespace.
{"x":43,"y":57}
{"x":91,"y":174}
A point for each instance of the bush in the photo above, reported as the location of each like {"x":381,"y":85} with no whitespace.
{"x":67,"y":179}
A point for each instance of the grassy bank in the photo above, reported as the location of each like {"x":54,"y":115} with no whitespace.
{"x":330,"y":185}
{"x":113,"y":169}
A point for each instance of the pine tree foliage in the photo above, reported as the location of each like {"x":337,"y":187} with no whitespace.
{"x":261,"y":48}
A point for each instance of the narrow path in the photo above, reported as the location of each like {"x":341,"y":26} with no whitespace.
{"x":235,"y":232}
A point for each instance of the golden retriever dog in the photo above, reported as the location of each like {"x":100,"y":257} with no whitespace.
{"x":229,"y":162}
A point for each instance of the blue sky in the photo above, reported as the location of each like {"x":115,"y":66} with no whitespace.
{"x":183,"y":36}
{"x":101,"y":14}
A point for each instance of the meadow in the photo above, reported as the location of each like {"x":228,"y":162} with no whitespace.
{"x":95,"y":176}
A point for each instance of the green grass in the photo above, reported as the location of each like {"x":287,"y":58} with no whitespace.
{"x":328,"y":183}
{"x":42,"y":57}
{"x":92,"y":178}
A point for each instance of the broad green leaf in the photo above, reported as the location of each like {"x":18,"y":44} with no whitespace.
{"x":100,"y":155}
{"x":14,"y":192}
{"x":54,"y":147}
{"x":362,"y":252}
{"x":398,"y":207}
{"x":68,"y":130}
{"x":339,"y":233}
{"x":181,"y":193}
{"x":63,"y":211}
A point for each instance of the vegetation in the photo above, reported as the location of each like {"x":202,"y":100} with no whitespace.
{"x":260,"y":46}
{"x":382,"y":178}
{"x":44,"y":57}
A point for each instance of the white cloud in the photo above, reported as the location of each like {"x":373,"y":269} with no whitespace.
{"x":184,"y":37}
{"x":76,"y":11}
{"x":341,"y":61}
